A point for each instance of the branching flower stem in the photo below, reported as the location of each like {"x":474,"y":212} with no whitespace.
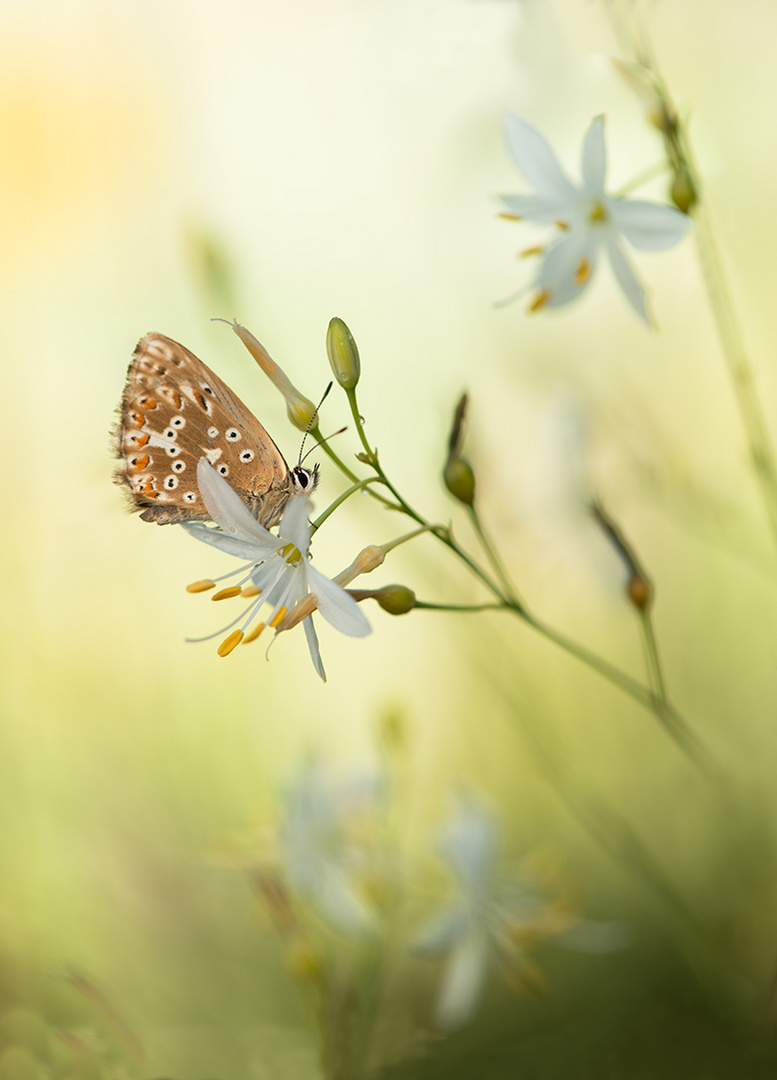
{"x":655,"y":701}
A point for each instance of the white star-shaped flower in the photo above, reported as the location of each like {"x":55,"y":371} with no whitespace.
{"x":277,"y":569}
{"x":589,"y":219}
{"x":488,"y":918}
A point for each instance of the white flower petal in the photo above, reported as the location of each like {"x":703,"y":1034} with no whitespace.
{"x":227,"y":508}
{"x":462,"y":982}
{"x":241,"y":549}
{"x":594,"y":159}
{"x":442,"y":933}
{"x":537,"y":210}
{"x":315,"y":652}
{"x":537,"y":161}
{"x":337,"y":606}
{"x":648,"y":226}
{"x":627,"y":279}
{"x":560,"y":270}
{"x":468,"y":843}
{"x":295,"y":525}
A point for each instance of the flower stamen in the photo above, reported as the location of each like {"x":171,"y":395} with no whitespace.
{"x":228,"y":593}
{"x":540,"y":300}
{"x":201,"y":586}
{"x":583,"y":271}
{"x":254,"y":633}
{"x":231,"y":642}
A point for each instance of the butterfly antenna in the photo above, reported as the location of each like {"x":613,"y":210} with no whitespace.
{"x":310,"y":425}
{"x":322,"y":441}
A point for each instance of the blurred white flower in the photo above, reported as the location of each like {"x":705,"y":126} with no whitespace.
{"x":489,"y":919}
{"x":588,"y":218}
{"x":277,"y":570}
{"x":322,"y":844}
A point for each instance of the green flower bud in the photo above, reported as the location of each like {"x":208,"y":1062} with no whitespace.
{"x":460,"y":480}
{"x":395,"y":599}
{"x":682,"y":192}
{"x":457,"y":473}
{"x":343,"y":354}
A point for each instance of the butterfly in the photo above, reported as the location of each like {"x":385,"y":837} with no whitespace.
{"x":174,"y":411}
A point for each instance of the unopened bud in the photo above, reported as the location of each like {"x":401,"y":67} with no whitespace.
{"x":343,"y":354}
{"x":460,"y":480}
{"x":457,"y":473}
{"x":683,"y":192}
{"x":640,"y":591}
{"x":395,"y":599}
{"x":300,"y":410}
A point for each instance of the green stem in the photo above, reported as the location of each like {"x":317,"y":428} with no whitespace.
{"x":360,"y":485}
{"x":493,"y":557}
{"x":738,"y":363}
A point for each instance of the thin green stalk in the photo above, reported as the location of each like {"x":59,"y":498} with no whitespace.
{"x":738,"y":363}
{"x":493,"y":557}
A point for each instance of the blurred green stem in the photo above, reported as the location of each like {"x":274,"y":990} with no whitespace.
{"x":633,"y":39}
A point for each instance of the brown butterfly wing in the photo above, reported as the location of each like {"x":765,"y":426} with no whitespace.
{"x":175,"y":410}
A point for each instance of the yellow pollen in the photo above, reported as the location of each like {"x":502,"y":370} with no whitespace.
{"x":583,"y":271}
{"x":225,"y":594}
{"x":278,"y":617}
{"x":509,"y":217}
{"x":201,"y":586}
{"x":538,"y":249}
{"x":540,"y":300}
{"x":254,"y":633}
{"x":229,"y":643}
{"x":598,"y":212}
{"x":563,"y":225}
{"x":251,"y":590}
{"x":290,"y":554}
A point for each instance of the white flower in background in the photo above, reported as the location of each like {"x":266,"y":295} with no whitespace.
{"x":489,"y":919}
{"x":588,"y":219}
{"x":277,"y":569}
{"x":323,"y":844}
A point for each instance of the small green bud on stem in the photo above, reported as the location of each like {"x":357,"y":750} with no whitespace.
{"x":343,"y":354}
{"x":457,"y":473}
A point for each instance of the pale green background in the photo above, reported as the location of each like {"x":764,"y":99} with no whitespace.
{"x":347,"y":157}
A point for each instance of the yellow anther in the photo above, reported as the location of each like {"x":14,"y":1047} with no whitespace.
{"x":563,"y":225}
{"x":598,"y":212}
{"x":540,"y":300}
{"x":583,"y":271}
{"x":231,"y":642}
{"x":538,"y":249}
{"x":278,"y":617}
{"x":509,"y":217}
{"x":201,"y":586}
{"x":290,"y":554}
{"x":251,"y":590}
{"x":225,"y":594}
{"x":254,"y":633}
